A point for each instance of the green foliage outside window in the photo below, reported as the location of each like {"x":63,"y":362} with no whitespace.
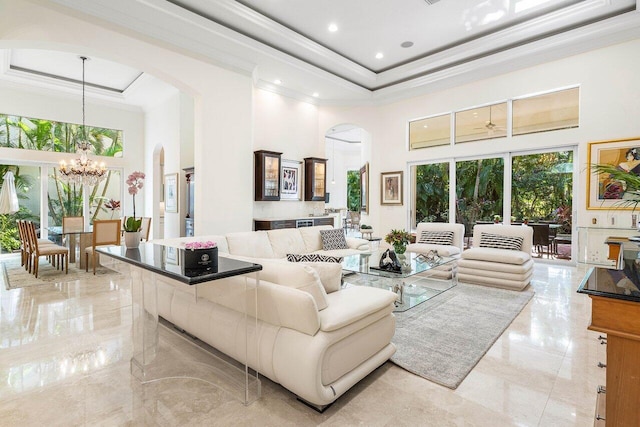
{"x":353,"y":191}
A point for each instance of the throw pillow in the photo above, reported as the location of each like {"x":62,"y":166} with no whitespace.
{"x":436,"y":237}
{"x":498,"y":241}
{"x":333,"y":239}
{"x":313,"y":258}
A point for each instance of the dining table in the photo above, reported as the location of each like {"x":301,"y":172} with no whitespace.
{"x":77,"y":240}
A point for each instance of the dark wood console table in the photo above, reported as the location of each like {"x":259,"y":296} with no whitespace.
{"x":615,"y":297}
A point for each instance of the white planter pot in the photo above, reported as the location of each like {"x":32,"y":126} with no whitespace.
{"x":131,"y":239}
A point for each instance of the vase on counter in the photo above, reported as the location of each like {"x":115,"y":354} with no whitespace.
{"x":132,"y":239}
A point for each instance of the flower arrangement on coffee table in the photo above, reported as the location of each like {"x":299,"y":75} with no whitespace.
{"x":398,"y":239}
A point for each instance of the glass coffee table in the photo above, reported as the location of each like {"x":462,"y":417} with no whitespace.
{"x":413,"y":285}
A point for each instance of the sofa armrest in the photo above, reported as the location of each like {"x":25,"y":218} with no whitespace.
{"x":357,"y":243}
{"x":352,"y":304}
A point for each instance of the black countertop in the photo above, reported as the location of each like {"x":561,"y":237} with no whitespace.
{"x":611,"y":283}
{"x":165,"y":260}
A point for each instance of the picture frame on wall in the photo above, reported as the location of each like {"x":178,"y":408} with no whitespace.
{"x":391,"y":188}
{"x":364,"y":188}
{"x":603,"y":191}
{"x":171,"y":192}
{"x":291,"y":183}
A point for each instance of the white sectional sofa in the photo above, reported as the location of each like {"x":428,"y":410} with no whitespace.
{"x":314,"y":338}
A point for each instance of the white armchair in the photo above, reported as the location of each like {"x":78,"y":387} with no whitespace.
{"x":490,"y":263}
{"x":444,"y":238}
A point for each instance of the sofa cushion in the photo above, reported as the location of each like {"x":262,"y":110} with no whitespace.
{"x":313,"y":258}
{"x":330,"y":274}
{"x":505,"y":256}
{"x":436,"y":237}
{"x":311,"y":237}
{"x":293,"y":275}
{"x":333,"y":239}
{"x":498,"y":241}
{"x":254,"y":244}
{"x":481,"y":267}
{"x":286,"y":240}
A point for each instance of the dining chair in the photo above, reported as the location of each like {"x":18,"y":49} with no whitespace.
{"x":57,"y":255}
{"x":26,"y":250}
{"x":72,"y":224}
{"x":146,"y":227}
{"x":105,"y":232}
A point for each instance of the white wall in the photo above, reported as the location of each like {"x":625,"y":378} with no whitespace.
{"x":609,"y":106}
{"x":162,"y":128}
{"x":288,"y":126}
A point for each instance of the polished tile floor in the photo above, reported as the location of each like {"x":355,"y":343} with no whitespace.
{"x":65,"y":350}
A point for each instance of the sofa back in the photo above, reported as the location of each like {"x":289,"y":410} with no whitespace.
{"x":458,"y":231}
{"x":254,"y":244}
{"x":505,"y":230}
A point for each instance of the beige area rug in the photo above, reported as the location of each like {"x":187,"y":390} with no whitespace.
{"x":14,"y":276}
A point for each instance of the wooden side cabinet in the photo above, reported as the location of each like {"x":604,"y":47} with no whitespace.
{"x":267,"y":175}
{"x":315,"y":178}
{"x":620,"y":320}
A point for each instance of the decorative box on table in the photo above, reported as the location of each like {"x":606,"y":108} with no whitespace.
{"x":198,"y":258}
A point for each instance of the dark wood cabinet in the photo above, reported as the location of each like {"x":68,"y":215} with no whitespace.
{"x":267,"y":175}
{"x":190,"y":176}
{"x":315,"y":178}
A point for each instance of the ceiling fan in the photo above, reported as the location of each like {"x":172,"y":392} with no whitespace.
{"x":490,"y":126}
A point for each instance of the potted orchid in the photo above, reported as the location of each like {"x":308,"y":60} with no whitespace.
{"x":132,"y":225}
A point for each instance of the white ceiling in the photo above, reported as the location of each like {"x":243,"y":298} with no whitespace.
{"x":288,"y":40}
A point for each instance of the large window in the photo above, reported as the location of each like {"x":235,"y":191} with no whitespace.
{"x":482,"y":123}
{"x":550,"y":111}
{"x":479,"y":190}
{"x":27,"y":182}
{"x":48,"y":135}
{"x":430,"y":132}
{"x":431,"y":193}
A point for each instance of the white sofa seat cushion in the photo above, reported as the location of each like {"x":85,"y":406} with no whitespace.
{"x":443,"y":250}
{"x":497,"y":255}
{"x":286,"y":241}
{"x":338,"y":252}
{"x":254,"y":244}
{"x":472,"y":264}
{"x":352,"y":304}
{"x":518,"y":277}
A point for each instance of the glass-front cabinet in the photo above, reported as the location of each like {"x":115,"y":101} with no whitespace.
{"x":315,"y":174}
{"x":267,"y":175}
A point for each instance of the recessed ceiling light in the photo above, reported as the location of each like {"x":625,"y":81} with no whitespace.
{"x":379,"y":55}
{"x":425,"y":126}
{"x":278,"y":81}
{"x":316,"y":94}
{"x":406,"y":44}
{"x":333,"y":28}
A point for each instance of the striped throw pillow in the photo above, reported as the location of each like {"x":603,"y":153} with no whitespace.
{"x":497,"y":241}
{"x":436,"y":237}
{"x":313,"y":258}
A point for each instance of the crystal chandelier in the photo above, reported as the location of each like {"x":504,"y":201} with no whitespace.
{"x":83,"y":170}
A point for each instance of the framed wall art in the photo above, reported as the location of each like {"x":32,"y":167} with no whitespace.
{"x":391,"y":188}
{"x":291,"y":185}
{"x":364,"y":188}
{"x":604,"y":190}
{"x":171,"y":192}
